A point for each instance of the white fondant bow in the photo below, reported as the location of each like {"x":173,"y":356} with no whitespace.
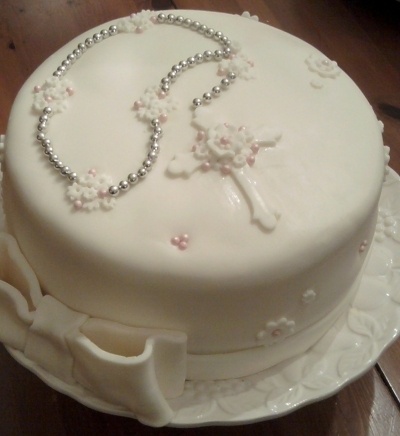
{"x":135,"y":368}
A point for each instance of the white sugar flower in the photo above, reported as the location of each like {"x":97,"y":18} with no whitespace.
{"x":323,"y":66}
{"x":54,"y":93}
{"x":137,"y":23}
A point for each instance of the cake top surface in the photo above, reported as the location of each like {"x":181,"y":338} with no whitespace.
{"x":289,"y":153}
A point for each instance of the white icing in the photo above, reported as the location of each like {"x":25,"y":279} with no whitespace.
{"x":231,"y":280}
{"x":54,"y":91}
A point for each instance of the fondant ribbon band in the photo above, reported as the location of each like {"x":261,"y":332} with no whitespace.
{"x":135,"y":368}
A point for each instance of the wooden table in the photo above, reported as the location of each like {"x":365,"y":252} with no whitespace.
{"x":364,"y":37}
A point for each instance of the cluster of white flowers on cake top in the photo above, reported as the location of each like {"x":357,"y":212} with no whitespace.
{"x":90,"y":192}
{"x":138,"y":23}
{"x":54,"y":92}
{"x":323,"y":66}
{"x":154,"y":103}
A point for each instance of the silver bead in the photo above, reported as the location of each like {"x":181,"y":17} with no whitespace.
{"x":147,"y":164}
{"x":199,"y":58}
{"x":89,"y":42}
{"x":48,"y":151}
{"x":97,"y":37}
{"x":142,"y":172}
{"x":66,"y":63}
{"x":231,"y":76}
{"x":177,"y":69}
{"x":208,"y":55}
{"x":113,"y":30}
{"x":158,"y":131}
{"x":72,"y":176}
{"x":40,"y":136}
{"x":82,"y":47}
{"x":172,"y":75}
{"x":77,"y":53}
{"x":53,"y":158}
{"x":225,"y":40}
{"x":113,"y":190}
{"x":133,"y":178}
{"x":58,"y":165}
{"x":152,"y":155}
{"x":195,"y":25}
{"x":161,"y":17}
{"x":225,"y":83}
{"x":202,"y":29}
{"x":105,"y":33}
{"x":165,"y":87}
{"x":57,"y":74}
{"x":171,"y":18}
{"x":46,"y":142}
{"x":191,"y":61}
{"x":165,"y":80}
{"x":123,"y":185}
{"x":62,"y":69}
{"x":155,"y":122}
{"x":48,"y":111}
{"x":71,"y":57}
{"x":155,"y":147}
{"x":197,"y":102}
{"x":216,"y":91}
{"x":42,"y":127}
{"x":218,"y":35}
{"x":184,"y":65}
{"x":65,"y":170}
{"x":187,"y":22}
{"x":207,"y":97}
{"x":154,"y":137}
{"x":218,"y":55}
{"x":227,"y":52}
{"x":210,"y":32}
{"x":179,"y":20}
{"x":43,"y":118}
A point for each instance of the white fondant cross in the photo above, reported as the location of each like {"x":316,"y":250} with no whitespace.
{"x":232,"y":151}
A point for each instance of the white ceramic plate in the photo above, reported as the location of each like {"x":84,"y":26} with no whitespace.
{"x":349,"y":349}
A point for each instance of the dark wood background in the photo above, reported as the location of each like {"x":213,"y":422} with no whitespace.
{"x":364,"y":37}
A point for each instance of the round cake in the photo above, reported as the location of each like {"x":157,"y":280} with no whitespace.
{"x":195,"y":192}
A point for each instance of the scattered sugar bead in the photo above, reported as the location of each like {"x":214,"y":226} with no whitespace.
{"x":48,"y":99}
{"x":201,"y":134}
{"x":162,"y":95}
{"x":251,"y":159}
{"x":276,"y":333}
{"x":153,"y":19}
{"x":224,"y":140}
{"x":225,"y":169}
{"x":78,"y":204}
{"x":70,"y":91}
{"x":92,"y":172}
{"x":37,"y":88}
{"x":255,"y":148}
{"x":137,"y":104}
{"x":206,"y":166}
{"x":139,"y":29}
{"x":163,"y":118}
{"x":175,"y":240}
{"x":102,"y":193}
{"x":185,"y":237}
{"x":182,"y":245}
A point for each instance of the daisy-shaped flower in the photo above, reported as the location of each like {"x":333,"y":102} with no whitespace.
{"x":323,"y":66}
{"x":154,"y":103}
{"x":276,"y":331}
{"x":239,"y":64}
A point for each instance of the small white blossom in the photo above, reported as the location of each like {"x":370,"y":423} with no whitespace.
{"x":54,"y":93}
{"x":323,"y":66}
{"x":137,"y":23}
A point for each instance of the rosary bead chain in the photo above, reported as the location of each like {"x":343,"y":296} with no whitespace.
{"x":154,"y":147}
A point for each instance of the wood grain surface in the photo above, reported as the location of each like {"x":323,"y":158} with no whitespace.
{"x":364,"y":38}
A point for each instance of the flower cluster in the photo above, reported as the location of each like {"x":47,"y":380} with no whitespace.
{"x":322,"y":66}
{"x":276,"y":331}
{"x":137,"y":23}
{"x":154,"y":103}
{"x":90,"y":192}
{"x":54,"y":93}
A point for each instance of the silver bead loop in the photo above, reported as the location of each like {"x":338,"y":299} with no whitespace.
{"x":165,"y":83}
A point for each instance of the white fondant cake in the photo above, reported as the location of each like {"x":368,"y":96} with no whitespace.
{"x":212,"y":214}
